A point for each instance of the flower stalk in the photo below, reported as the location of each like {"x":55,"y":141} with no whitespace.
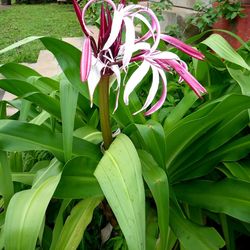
{"x":104,"y":111}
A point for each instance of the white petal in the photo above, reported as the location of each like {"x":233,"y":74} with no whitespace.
{"x":146,"y":22}
{"x":129,"y":41}
{"x":116,"y":71}
{"x":141,"y":46}
{"x":135,"y":79}
{"x":94,"y":77}
{"x":115,"y":29}
{"x":153,"y":89}
{"x":166,"y":55}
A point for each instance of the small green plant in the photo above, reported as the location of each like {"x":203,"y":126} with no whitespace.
{"x":208,"y":15}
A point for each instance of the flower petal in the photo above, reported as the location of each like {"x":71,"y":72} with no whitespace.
{"x":153,"y":89}
{"x":94,"y":77}
{"x":86,"y":59}
{"x":86,"y":6}
{"x":160,"y":102}
{"x":182,"y":46}
{"x":116,"y":70}
{"x":115,"y":29}
{"x":150,"y":32}
{"x":135,"y":79}
{"x":129,"y":41}
{"x":190,"y":80}
{"x":79,"y":16}
{"x":164,"y":55}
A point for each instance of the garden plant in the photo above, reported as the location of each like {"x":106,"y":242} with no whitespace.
{"x":126,"y":149}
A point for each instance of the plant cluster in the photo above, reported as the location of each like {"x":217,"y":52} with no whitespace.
{"x":208,"y":14}
{"x":178,"y":179}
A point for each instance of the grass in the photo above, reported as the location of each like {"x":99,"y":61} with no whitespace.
{"x":20,"y":21}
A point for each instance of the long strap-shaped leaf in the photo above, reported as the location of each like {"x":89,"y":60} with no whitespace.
{"x":119,"y":175}
{"x":224,"y":50}
{"x":22,"y":136}
{"x":227,"y":196}
{"x":193,"y":236}
{"x":27,"y":209}
{"x":76,"y":223}
{"x":157,"y":182}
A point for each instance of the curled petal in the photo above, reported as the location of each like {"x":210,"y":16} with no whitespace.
{"x":129,"y":41}
{"x":135,"y":79}
{"x":153,"y":89}
{"x":88,"y":32}
{"x":182,"y":46}
{"x":86,"y":59}
{"x":185,"y":75}
{"x":94,"y":77}
{"x":151,"y":30}
{"x":115,"y":29}
{"x":160,"y":102}
{"x":155,"y":25}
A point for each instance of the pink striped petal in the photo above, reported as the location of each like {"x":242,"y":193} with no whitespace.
{"x":86,"y":59}
{"x":135,"y":79}
{"x":190,"y":80}
{"x":182,"y":46}
{"x":161,"y":101}
{"x":152,"y":91}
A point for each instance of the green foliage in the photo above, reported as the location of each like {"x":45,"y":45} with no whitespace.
{"x":176,"y":180}
{"x":208,"y":14}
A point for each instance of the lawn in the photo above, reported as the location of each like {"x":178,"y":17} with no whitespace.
{"x":20,"y":21}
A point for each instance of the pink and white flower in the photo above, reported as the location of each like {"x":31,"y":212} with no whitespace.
{"x":110,"y":54}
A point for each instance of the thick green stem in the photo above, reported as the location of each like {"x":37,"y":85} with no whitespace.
{"x":104,"y":111}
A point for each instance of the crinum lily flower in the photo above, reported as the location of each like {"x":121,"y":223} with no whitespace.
{"x":114,"y":52}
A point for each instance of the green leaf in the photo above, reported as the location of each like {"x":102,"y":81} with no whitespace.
{"x":89,"y":134}
{"x":29,"y":92}
{"x":69,"y":95}
{"x":19,"y":43}
{"x":78,"y":181}
{"x":218,"y":44}
{"x":189,"y":130}
{"x":180,"y":110}
{"x":193,"y":236}
{"x":26,"y":212}
{"x":228,"y":196}
{"x":122,"y":186}
{"x":157,"y":182}
{"x":76,"y":224}
{"x":68,"y":58}
{"x":24,"y":177}
{"x":153,"y":136}
{"x":59,"y":223}
{"x":22,"y":136}
{"x":238,"y":171}
{"x":6,"y":185}
{"x":17,"y":71}
{"x":216,"y":137}
{"x":232,"y":151}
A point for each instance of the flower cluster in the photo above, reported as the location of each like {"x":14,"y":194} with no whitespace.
{"x":118,"y":46}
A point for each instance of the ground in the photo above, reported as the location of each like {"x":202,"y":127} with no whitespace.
{"x":20,"y":21}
